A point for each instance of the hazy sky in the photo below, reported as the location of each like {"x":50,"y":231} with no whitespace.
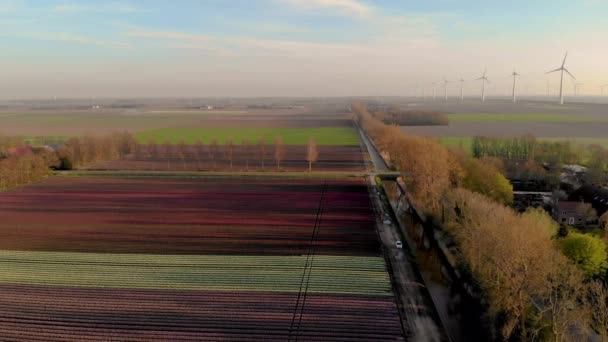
{"x":294,"y":47}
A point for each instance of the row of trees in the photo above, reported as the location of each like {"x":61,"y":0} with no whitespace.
{"x":530,"y":151}
{"x":214,"y":151}
{"x":81,"y":151}
{"x":534,"y":289}
{"x":25,"y":168}
{"x":31,"y":164}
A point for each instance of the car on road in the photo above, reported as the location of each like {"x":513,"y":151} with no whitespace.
{"x":387,"y":222}
{"x":398,"y":244}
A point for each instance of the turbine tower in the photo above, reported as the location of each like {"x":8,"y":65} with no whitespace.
{"x":483,"y":80}
{"x":461,"y":89}
{"x":445,"y":88}
{"x":602,"y":88}
{"x":514,"y":74}
{"x":561,"y":83}
{"x":577,"y":88}
{"x":434,"y":91}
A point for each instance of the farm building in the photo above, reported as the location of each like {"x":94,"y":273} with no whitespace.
{"x":567,"y":213}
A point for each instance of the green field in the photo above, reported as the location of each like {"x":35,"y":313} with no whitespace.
{"x":522,"y":117}
{"x":290,"y":135}
{"x":330,"y":274}
{"x":197,"y":112}
{"x":466,"y":142}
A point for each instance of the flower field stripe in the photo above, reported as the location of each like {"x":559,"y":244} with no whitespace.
{"x":330,"y":274}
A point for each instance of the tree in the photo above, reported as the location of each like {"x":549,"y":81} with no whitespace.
{"x":245,"y":150}
{"x":312,"y":153}
{"x":587,"y":252}
{"x":485,"y":178}
{"x":425,"y":170}
{"x":168,"y":148}
{"x":586,"y":211}
{"x":564,"y":300}
{"x":182,"y":150}
{"x":279,"y":151}
{"x":198,"y":152}
{"x":604,"y":221}
{"x":213,"y":149}
{"x":598,"y":299}
{"x":262,"y":150}
{"x":229,"y":150}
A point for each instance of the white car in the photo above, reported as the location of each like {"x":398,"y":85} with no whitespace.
{"x":387,"y":222}
{"x":398,"y":244}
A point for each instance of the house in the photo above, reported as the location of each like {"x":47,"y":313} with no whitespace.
{"x":567,"y":213}
{"x":594,"y":195}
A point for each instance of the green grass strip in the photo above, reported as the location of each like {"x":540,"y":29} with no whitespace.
{"x":330,"y":274}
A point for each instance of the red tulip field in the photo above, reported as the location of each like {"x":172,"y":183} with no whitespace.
{"x":101,"y":258}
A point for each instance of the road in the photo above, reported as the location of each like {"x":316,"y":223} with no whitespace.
{"x":419,"y":316}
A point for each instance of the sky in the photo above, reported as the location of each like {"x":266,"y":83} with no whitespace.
{"x":217,"y":48}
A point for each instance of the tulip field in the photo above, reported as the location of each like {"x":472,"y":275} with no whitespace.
{"x":99,"y":258}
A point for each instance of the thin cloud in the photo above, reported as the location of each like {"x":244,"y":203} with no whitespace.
{"x":70,"y":8}
{"x":348,"y":7}
{"x":72,"y":38}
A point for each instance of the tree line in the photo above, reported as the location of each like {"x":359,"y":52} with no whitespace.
{"x":28,"y":164}
{"x":251,"y":151}
{"x":534,"y":288}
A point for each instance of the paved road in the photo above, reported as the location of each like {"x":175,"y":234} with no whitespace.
{"x":419,"y":317}
{"x":379,"y":164}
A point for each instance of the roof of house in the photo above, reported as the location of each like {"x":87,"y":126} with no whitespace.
{"x":596,"y":196}
{"x":567,"y":205}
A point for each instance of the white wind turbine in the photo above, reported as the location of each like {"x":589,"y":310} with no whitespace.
{"x":461,"y":89}
{"x":483,"y":80}
{"x":514,"y":74}
{"x":577,"y":88}
{"x":434,"y":91}
{"x":561,"y":83}
{"x":445,"y":88}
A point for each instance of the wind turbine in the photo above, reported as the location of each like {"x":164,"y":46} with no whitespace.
{"x":602,"y":88}
{"x":483,"y":80}
{"x":561,"y":83}
{"x":461,"y":89}
{"x":445,"y":88}
{"x":434,"y":91}
{"x":514,"y":74}
{"x":577,"y":88}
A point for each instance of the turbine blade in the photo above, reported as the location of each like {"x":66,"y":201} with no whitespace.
{"x":564,"y":62}
{"x":566,"y":70}
{"x":558,"y":69}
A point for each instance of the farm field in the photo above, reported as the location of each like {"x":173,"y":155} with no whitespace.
{"x":222,"y":258}
{"x":519,"y":117}
{"x":66,"y":123}
{"x":291,"y":135}
{"x":331,"y":158}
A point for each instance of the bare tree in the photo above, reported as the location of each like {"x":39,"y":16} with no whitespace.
{"x":198,"y":152}
{"x":182,"y":150}
{"x":586,"y":211}
{"x":245,"y":150}
{"x":312,"y":154}
{"x":168,"y":153}
{"x":598,"y":300}
{"x":262,"y":149}
{"x":229,"y":150}
{"x":213,"y":147}
{"x":279,"y":151}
